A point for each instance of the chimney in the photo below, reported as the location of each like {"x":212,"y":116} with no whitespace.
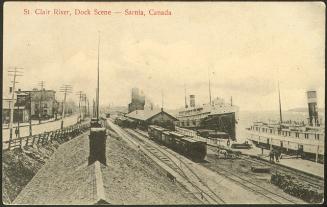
{"x":312,"y":107}
{"x":192,"y":100}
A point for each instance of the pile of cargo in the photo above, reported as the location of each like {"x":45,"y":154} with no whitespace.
{"x":295,"y":187}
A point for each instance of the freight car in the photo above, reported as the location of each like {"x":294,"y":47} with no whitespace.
{"x":182,"y":144}
{"x":125,"y":122}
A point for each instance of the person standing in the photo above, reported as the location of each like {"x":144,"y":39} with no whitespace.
{"x":16,"y":132}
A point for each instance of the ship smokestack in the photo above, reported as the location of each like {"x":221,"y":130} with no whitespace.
{"x":192,"y":100}
{"x":312,"y":106}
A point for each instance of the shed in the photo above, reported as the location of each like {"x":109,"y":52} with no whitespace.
{"x":145,"y":118}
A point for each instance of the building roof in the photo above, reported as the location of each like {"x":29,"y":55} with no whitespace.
{"x":146,"y":114}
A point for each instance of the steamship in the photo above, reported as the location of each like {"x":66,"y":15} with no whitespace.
{"x":305,"y":139}
{"x":216,"y":115}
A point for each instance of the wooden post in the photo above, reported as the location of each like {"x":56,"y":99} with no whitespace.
{"x":317,"y":153}
{"x":27,"y":139}
{"x":38,"y":140}
{"x":20,"y":142}
{"x":33,"y":140}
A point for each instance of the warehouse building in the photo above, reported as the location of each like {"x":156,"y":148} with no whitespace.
{"x":144,"y":118}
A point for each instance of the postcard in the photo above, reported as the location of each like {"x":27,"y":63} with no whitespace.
{"x":163,"y":103}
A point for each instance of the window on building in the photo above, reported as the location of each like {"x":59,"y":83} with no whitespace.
{"x":297,"y":134}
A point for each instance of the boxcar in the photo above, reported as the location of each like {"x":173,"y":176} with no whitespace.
{"x":180,"y":143}
{"x":166,"y":137}
{"x":151,"y":129}
{"x":175,"y":141}
{"x":194,"y":149}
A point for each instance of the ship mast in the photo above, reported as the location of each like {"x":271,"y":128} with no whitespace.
{"x":280,"y":106}
{"x":185,"y":96}
{"x":209,"y":87}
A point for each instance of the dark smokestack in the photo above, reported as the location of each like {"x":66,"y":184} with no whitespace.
{"x":192,"y":100}
{"x":312,"y":107}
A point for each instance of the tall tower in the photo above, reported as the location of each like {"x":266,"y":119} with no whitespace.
{"x":312,"y":107}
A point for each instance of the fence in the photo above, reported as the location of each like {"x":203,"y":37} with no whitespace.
{"x":60,"y":135}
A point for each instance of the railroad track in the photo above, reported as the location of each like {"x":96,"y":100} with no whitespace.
{"x":247,"y":183}
{"x":180,"y":166}
{"x":310,"y":180}
{"x":198,"y":189}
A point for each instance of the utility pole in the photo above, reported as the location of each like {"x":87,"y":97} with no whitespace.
{"x":65,"y":89}
{"x":41,"y":84}
{"x":30,"y":112}
{"x":85,"y":107}
{"x":79,"y":93}
{"x":88,"y":108}
{"x":14,"y":72}
{"x":94,"y":115}
{"x":98,"y":86}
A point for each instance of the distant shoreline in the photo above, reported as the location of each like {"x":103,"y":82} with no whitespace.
{"x":305,"y":110}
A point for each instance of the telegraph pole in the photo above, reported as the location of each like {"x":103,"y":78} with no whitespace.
{"x":30,"y":113}
{"x":98,"y":89}
{"x":93,"y":107}
{"x":65,"y":89}
{"x":14,"y":72}
{"x":41,"y":84}
{"x":88,"y":108}
{"x":85,"y":106}
{"x":79,"y":93}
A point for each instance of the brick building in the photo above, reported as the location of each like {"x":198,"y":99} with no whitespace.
{"x":43,"y":102}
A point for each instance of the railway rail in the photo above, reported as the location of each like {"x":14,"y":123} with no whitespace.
{"x":200,"y":190}
{"x":182,"y":167}
{"x":254,"y":187}
{"x":310,"y":180}
{"x":247,"y":184}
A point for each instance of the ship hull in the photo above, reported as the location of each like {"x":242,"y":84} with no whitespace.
{"x":219,"y":122}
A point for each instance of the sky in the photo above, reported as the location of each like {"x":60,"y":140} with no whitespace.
{"x":244,"y":47}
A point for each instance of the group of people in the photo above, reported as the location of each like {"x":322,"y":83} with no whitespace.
{"x":274,"y":153}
